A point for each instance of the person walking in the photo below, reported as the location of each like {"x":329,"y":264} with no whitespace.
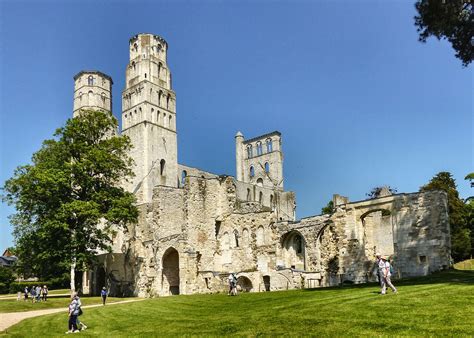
{"x":387,"y":276}
{"x":25,"y":292}
{"x":234,"y":284}
{"x":103,"y":294}
{"x":80,"y":325}
{"x":73,"y":311}
{"x":380,"y":266}
{"x":38,"y":294}
{"x":33,"y":293}
{"x":230,"y":279}
{"x":45,"y":293}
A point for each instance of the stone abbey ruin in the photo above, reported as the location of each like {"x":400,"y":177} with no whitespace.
{"x":196,"y":227}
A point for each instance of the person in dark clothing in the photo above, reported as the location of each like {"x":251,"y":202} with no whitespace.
{"x":103,"y":293}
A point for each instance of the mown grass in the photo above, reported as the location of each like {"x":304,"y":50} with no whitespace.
{"x":465,"y":265}
{"x":12,"y":305}
{"x":439,"y":305}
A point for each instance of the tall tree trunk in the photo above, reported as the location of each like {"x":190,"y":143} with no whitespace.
{"x":73,"y":275}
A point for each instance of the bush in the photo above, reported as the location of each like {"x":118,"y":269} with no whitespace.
{"x":3,"y":288}
{"x":20,"y":286}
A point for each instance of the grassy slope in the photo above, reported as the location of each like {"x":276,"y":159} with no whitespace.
{"x":12,"y":305}
{"x":465,"y":265}
{"x":438,"y":305}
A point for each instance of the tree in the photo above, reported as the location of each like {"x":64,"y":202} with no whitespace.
{"x":460,"y":234}
{"x":69,"y":200}
{"x":470,"y":212}
{"x":382,"y":191}
{"x":328,"y":209}
{"x":450,"y":20}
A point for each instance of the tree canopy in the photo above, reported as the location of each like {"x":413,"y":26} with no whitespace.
{"x":452,"y":20}
{"x":69,"y":200}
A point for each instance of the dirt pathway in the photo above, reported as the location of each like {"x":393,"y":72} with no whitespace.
{"x":12,"y":318}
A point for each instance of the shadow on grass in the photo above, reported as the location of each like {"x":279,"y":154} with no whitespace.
{"x":453,"y":277}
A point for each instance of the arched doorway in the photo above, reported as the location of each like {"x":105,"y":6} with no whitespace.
{"x":100,"y":280}
{"x":266,"y":282}
{"x":378,"y":232}
{"x":293,"y":245}
{"x":244,"y":284}
{"x":170,"y":279}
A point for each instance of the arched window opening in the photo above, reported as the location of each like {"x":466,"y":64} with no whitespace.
{"x":135,"y":47}
{"x":159,"y":97}
{"x":271,"y":200}
{"x":80,"y":96}
{"x":103,"y":97}
{"x":267,"y":167}
{"x":299,"y":244}
{"x":249,"y":151}
{"x":168,"y":102}
{"x":249,"y":196}
{"x":260,"y":236}
{"x":134,"y":66}
{"x":183,"y":177}
{"x":159,"y":69}
{"x":269,"y":145}
{"x":260,"y":182}
{"x":165,"y":120}
{"x":236,"y":238}
{"x":90,"y":80}
{"x":259,"y":148}
{"x":260,"y":197}
{"x":158,"y":116}
{"x":252,"y":171}
{"x":145,"y":75}
{"x":162,"y":167}
{"x":169,"y":121}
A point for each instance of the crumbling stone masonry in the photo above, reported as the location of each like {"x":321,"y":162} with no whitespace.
{"x":196,"y":227}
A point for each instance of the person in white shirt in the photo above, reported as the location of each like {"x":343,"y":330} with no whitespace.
{"x":380,"y":266}
{"x":387,"y":276}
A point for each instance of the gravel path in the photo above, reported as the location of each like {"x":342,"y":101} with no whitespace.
{"x":12,"y":318}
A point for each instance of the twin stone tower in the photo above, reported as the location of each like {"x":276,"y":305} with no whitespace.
{"x":196,"y":227}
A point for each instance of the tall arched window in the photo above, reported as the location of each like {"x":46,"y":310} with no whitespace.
{"x":134,"y":66}
{"x":165,"y":120}
{"x":152,"y":115}
{"x":159,"y":97}
{"x":170,"y":122}
{"x":269,"y":145}
{"x":252,"y":171}
{"x":267,"y":167}
{"x":90,"y":80}
{"x":249,"y":151}
{"x":158,"y":117}
{"x":260,"y":182}
{"x":259,"y":148}
{"x":159,"y":70}
{"x":183,"y":176}
{"x":168,"y":101}
{"x":260,"y":197}
{"x":236,"y":238}
{"x":162,"y":167}
{"x":249,"y":196}
{"x":103,"y":97}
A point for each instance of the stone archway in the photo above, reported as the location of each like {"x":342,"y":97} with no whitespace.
{"x":378,"y":232}
{"x":244,"y":284}
{"x":294,"y":247}
{"x":170,"y":278}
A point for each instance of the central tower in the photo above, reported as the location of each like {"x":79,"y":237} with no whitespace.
{"x":149,"y":116}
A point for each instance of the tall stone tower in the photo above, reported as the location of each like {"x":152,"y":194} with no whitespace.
{"x":149,"y":116}
{"x":92,"y":90}
{"x":260,"y":160}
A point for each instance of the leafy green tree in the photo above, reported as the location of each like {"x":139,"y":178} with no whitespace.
{"x":69,"y":200}
{"x":450,"y":20}
{"x":470,"y":212}
{"x":460,"y":234}
{"x":328,"y":209}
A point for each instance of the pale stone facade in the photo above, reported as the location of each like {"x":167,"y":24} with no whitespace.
{"x":196,"y":227}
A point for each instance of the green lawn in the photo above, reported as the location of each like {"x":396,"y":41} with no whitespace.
{"x":439,"y":305}
{"x":12,"y":305}
{"x":465,"y":265}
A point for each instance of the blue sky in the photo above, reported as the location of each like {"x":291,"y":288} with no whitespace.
{"x":359,"y":101}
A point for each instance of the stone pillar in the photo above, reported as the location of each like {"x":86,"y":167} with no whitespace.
{"x":239,"y":140}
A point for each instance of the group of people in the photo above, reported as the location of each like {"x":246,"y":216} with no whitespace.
{"x":36,"y":292}
{"x":384,"y":273}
